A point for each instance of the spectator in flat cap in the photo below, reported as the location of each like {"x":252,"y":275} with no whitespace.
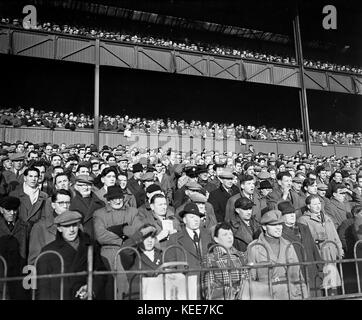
{"x":219,"y":197}
{"x":203,"y":179}
{"x":45,"y":230}
{"x":136,"y":185}
{"x":274,"y":246}
{"x":13,"y":245}
{"x":113,"y":225}
{"x":108,"y":179}
{"x":244,"y":225}
{"x":299,"y":234}
{"x":86,"y":202}
{"x":209,"y":220}
{"x":72,"y":244}
{"x":321,"y":175}
{"x":32,"y":199}
{"x":18,"y":162}
{"x":297,"y":183}
{"x":164,"y":181}
{"x":247,"y":190}
{"x":192,"y":238}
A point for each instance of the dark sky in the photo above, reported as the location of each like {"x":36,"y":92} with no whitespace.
{"x":60,"y":86}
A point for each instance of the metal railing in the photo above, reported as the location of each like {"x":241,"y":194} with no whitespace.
{"x":172,"y":267}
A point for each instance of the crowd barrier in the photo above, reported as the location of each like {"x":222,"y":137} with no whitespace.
{"x":172,"y":279}
{"x":165,"y":140}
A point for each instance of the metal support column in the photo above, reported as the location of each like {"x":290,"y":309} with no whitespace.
{"x":96,"y":93}
{"x":302,"y":91}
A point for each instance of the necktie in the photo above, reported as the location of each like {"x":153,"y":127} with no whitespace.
{"x":11,"y":226}
{"x":197,"y":244}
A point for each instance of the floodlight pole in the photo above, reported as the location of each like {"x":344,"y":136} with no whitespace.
{"x":302,"y":91}
{"x":96,"y":93}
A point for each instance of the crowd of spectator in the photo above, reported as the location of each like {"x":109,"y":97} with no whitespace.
{"x":133,"y":125}
{"x":216,"y":206}
{"x":95,"y":32}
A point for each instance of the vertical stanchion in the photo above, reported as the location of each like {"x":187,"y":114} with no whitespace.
{"x":5,"y":275}
{"x":90,"y":273}
{"x":96,"y":93}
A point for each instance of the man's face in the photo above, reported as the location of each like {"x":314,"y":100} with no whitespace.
{"x":192,"y":221}
{"x":116,"y":203}
{"x":297,"y":186}
{"x":302,"y":168}
{"x":359,"y":181}
{"x":225,"y":238}
{"x":337,"y":177}
{"x":250,"y":171}
{"x":227,"y":183}
{"x":62,"y":182}
{"x":9,"y":215}
{"x":158,"y":167}
{"x":109,"y":179}
{"x":33,"y":156}
{"x":315,"y":206}
{"x":272,"y":174}
{"x":312,"y":189}
{"x":274,"y":230}
{"x":18,"y":164}
{"x":323,"y":174}
{"x":20,"y":148}
{"x":48,"y":150}
{"x":238,"y":167}
{"x":203,"y":176}
{"x":340,"y":195}
{"x":41,"y":174}
{"x":138,"y":175}
{"x":244,"y":214}
{"x":122,"y":181}
{"x":321,"y":193}
{"x":149,"y":243}
{"x":286,"y":182}
{"x":83,"y":188}
{"x":61,"y":204}
{"x":123,"y":165}
{"x":81,"y":153}
{"x":31,"y":179}
{"x":159,"y":206}
{"x":83,"y":170}
{"x":69,"y":232}
{"x":289,"y":219}
{"x":56,"y":161}
{"x":8,"y":164}
{"x":95,"y":166}
{"x":248,"y":187}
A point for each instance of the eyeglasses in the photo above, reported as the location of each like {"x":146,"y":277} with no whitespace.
{"x":63,"y":203}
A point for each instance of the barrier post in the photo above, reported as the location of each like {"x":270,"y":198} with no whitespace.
{"x":90,"y":273}
{"x":2,"y":259}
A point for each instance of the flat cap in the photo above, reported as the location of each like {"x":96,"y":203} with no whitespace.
{"x":123,"y":159}
{"x":272,"y":217}
{"x":10,"y":203}
{"x":148,"y":176}
{"x":68,"y":217}
{"x":227,"y":174}
{"x":244,"y":203}
{"x":286,"y":207}
{"x":17,"y":157}
{"x":263,"y":175}
{"x":322,"y":186}
{"x":198,"y":198}
{"x":192,"y":185}
{"x":84,"y":178}
{"x":143,"y":161}
{"x":191,"y":208}
{"x":137,"y":167}
{"x":265,"y":184}
{"x":297,"y":180}
{"x":3,"y":152}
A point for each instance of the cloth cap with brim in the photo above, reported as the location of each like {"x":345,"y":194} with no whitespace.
{"x":3,"y":152}
{"x":143,"y":161}
{"x":198,"y":198}
{"x":191,"y":171}
{"x":244,"y":203}
{"x":201,"y":169}
{"x":265,"y":185}
{"x":272,"y":217}
{"x":148,"y":176}
{"x":108,"y":170}
{"x":322,"y":187}
{"x":297,"y":180}
{"x":68,"y":217}
{"x":84,"y":179}
{"x":153,"y":188}
{"x":17,"y":157}
{"x":286,"y":207}
{"x":137,"y":168}
{"x":114,"y":192}
{"x":191,"y":208}
{"x":263,"y":175}
{"x":10,"y":203}
{"x":227,"y":174}
{"x":192,"y":185}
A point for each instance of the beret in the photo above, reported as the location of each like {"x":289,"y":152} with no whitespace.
{"x":191,"y":208}
{"x":84,"y":178}
{"x":10,"y":203}
{"x":244,"y":203}
{"x":68,"y":217}
{"x":272,"y":217}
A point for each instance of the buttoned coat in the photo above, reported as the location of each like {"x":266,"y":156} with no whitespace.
{"x":137,"y":190}
{"x":276,"y":196}
{"x":259,"y":254}
{"x":219,"y":198}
